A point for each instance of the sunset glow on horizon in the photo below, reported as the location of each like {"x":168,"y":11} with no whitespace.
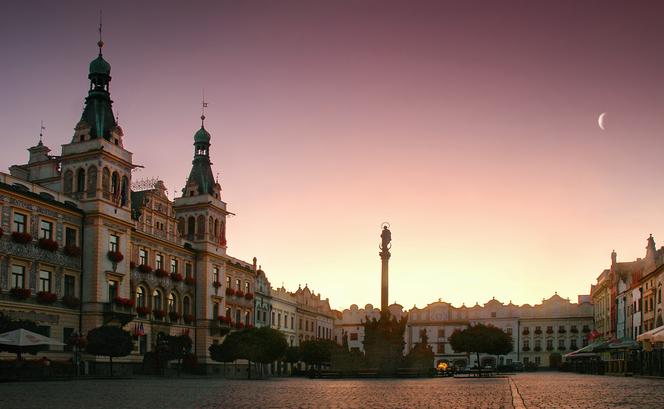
{"x":473,"y":133}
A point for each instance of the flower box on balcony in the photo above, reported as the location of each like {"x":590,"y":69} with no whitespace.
{"x":161,"y":273}
{"x":223,"y":319}
{"x":159,"y":314}
{"x":72,"y":251}
{"x":249,"y":296}
{"x":190,"y":280}
{"x":144,"y":268}
{"x":177,"y":277}
{"x":189,"y":318}
{"x":143,"y":311}
{"x":239,"y":293}
{"x":230,"y":291}
{"x":123,"y":302}
{"x":20,"y":293}
{"x":48,"y":244}
{"x":71,"y":301}
{"x":46,"y":297}
{"x":174,"y":315}
{"x":115,"y":256}
{"x":21,"y":237}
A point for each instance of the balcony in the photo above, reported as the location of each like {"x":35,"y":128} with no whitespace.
{"x":116,"y":313}
{"x":218,"y":328}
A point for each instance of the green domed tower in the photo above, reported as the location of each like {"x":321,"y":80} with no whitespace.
{"x":201,"y":180}
{"x":98,"y":112}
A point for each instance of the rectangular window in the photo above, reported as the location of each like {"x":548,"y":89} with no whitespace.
{"x":44,"y":330}
{"x":215,"y":275}
{"x":441,"y":348}
{"x":238,"y":284}
{"x":300,"y":323}
{"x":273,"y":323}
{"x":228,"y":283}
{"x":526,"y":360}
{"x":66,"y":334}
{"x":278,"y":320}
{"x":187,"y":270}
{"x":143,"y":257}
{"x":71,"y":237}
{"x":174,"y":266}
{"x":353,"y":336}
{"x":292,"y":322}
{"x":18,"y":276}
{"x":45,"y":230}
{"x":112,"y":290}
{"x":113,"y":243}
{"x":572,"y":344}
{"x":159,"y":262}
{"x":45,"y":281}
{"x":441,"y":333}
{"x":538,"y":360}
{"x":215,"y":310}
{"x":70,"y":285}
{"x":561,"y":344}
{"x":526,"y":344}
{"x":247,"y":287}
{"x":20,"y":222}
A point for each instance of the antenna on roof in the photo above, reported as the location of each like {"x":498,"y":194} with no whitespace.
{"x":203,"y":106}
{"x":100,"y":43}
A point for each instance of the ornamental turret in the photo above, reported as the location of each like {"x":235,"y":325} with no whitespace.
{"x":201,"y":180}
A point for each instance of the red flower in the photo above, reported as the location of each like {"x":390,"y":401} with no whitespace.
{"x":46,"y":297}
{"x":191,"y":280}
{"x":159,"y":314}
{"x":123,"y":302}
{"x":72,"y":251}
{"x":189,"y":318}
{"x":48,"y":244}
{"x":239,"y":293}
{"x":249,"y":296}
{"x":20,"y":293}
{"x":115,"y":256}
{"x":161,"y":273}
{"x":143,"y":310}
{"x":174,"y":315}
{"x":21,"y":238}
{"x":230,"y":291}
{"x":177,"y":277}
{"x":144,"y":268}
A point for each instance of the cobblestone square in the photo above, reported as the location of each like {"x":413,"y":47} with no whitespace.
{"x":540,"y":390}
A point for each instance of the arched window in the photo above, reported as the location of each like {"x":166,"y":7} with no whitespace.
{"x":124,"y":193}
{"x":228,"y":313}
{"x":172,"y":302}
{"x":216,"y":227}
{"x":211,"y":225}
{"x":238,"y":317}
{"x":186,"y":306}
{"x":191,"y":227}
{"x":106,"y":181}
{"x":115,"y":184}
{"x":157,"y":302}
{"x":201,"y":226}
{"x":80,"y":180}
{"x":68,"y":182}
{"x":140,"y":297}
{"x":181,"y":226}
{"x":92,"y":181}
{"x":247,"y":318}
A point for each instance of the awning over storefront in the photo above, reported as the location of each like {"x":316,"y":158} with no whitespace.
{"x":588,"y":350}
{"x":652,"y":336}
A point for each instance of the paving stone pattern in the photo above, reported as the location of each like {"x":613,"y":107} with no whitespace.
{"x":540,"y":390}
{"x":566,"y":390}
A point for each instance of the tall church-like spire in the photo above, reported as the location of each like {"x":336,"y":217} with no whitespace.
{"x":201,"y":179}
{"x":98,"y":112}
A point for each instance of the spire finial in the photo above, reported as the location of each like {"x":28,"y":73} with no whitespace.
{"x":100,"y":43}
{"x":203,"y":106}
{"x":41,"y":132}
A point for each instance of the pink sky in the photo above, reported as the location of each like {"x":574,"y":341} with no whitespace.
{"x":471,"y":128}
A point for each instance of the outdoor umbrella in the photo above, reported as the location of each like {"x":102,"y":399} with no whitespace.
{"x":654,"y":335}
{"x":22,"y":338}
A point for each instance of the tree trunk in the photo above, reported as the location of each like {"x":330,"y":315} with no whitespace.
{"x":111,"y":359}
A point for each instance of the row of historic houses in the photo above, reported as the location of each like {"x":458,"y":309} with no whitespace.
{"x":83,"y":245}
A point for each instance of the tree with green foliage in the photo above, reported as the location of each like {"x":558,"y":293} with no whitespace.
{"x":110,"y":341}
{"x":317,"y":352}
{"x":177,"y":347}
{"x":421,"y":356}
{"x":383,"y":342}
{"x":479,"y":339}
{"x":261,"y":345}
{"x":292,"y":356}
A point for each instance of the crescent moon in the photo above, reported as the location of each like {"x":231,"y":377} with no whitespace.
{"x":600,"y":121}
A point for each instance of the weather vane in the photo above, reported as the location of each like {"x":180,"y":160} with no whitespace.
{"x":41,"y":131}
{"x":100,"y":43}
{"x":203,"y":106}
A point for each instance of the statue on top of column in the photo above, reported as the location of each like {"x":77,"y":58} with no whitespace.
{"x":386,"y":236}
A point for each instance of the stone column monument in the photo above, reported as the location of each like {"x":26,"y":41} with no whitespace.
{"x":386,"y":238}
